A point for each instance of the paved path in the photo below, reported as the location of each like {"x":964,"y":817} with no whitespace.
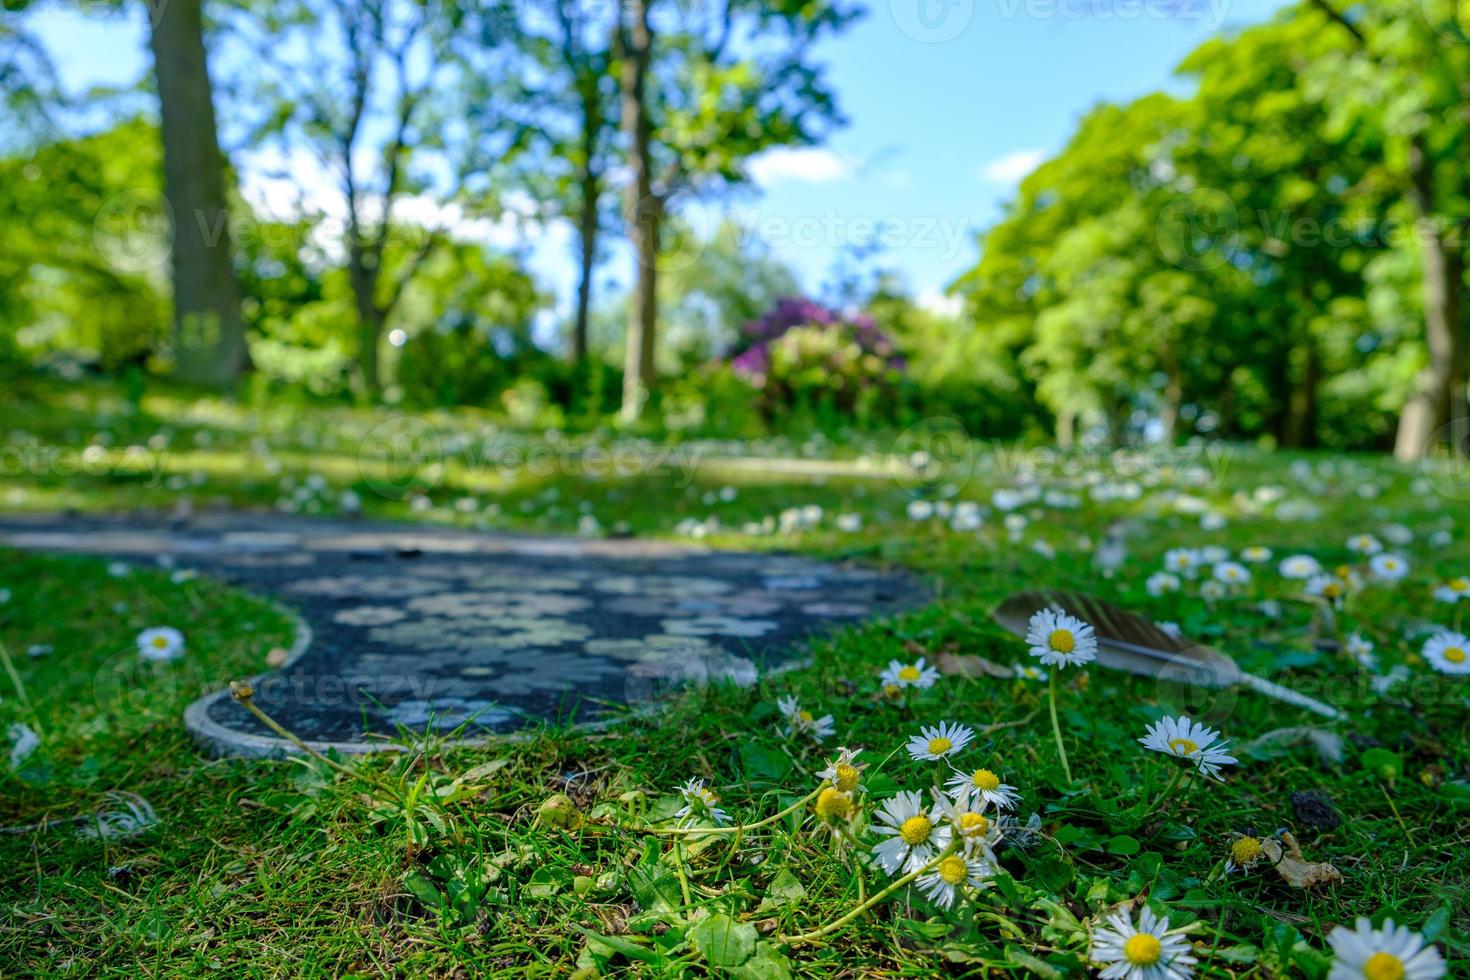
{"x":425,"y":627}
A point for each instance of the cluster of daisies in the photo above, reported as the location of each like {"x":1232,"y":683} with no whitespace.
{"x":1150,"y":950}
{"x":1220,"y":575}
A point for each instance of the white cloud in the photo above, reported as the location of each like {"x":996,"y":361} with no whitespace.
{"x":808,"y":164}
{"x":1009,"y":169}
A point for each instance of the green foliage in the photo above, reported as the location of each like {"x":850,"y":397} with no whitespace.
{"x":81,"y":276}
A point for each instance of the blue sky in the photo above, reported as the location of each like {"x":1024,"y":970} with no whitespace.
{"x":949,"y":103}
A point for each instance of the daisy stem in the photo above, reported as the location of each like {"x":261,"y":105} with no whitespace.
{"x":1397,"y":816}
{"x":1168,"y":791}
{"x":679,"y":870}
{"x":835,"y":924}
{"x":1056,"y":726}
{"x":275,"y":726}
{"x":736,"y":828}
{"x":20,"y":689}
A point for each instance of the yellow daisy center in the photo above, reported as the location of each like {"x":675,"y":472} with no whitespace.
{"x":915,"y":830}
{"x":1460,"y":585}
{"x":953,"y":870}
{"x":1343,"y":571}
{"x":160,"y":642}
{"x":1141,"y":949}
{"x":833,"y":804}
{"x":1454,"y":655}
{"x":1183,"y":746}
{"x":846,"y":777}
{"x":974,"y":823}
{"x":1245,"y":850}
{"x":805,"y":716}
{"x":909,"y":673}
{"x":1383,"y":966}
{"x":940,"y":745}
{"x":1332,"y":590}
{"x":986,"y":780}
{"x":1062,"y":641}
{"x":891,"y":690}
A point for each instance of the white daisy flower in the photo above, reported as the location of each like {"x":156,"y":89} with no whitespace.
{"x":1244,"y":852}
{"x":1212,"y":590}
{"x":941,"y":885}
{"x":1183,"y":561}
{"x":1448,"y":652}
{"x":1030,"y":672}
{"x":938,"y":742}
{"x":1330,"y":587}
{"x":160,"y":643}
{"x":1060,"y":640}
{"x":1391,"y":953}
{"x":914,"y":834}
{"x":1256,"y":554}
{"x":1454,"y":590}
{"x":844,"y":772}
{"x":800,"y":721}
{"x":976,"y":833}
{"x":849,"y":523}
{"x":1161,"y":583}
{"x":920,"y":510}
{"x":1300,"y":567}
{"x":1388,"y":568}
{"x":1146,"y":952}
{"x":4,"y":596}
{"x":1213,"y":554}
{"x":700,"y":801}
{"x":1232,"y":573}
{"x":983,"y":785}
{"x":917,"y":674}
{"x":1183,"y":739}
{"x":1364,"y":544}
{"x":1361,"y":650}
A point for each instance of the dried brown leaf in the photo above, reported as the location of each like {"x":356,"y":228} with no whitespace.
{"x":1286,"y":856}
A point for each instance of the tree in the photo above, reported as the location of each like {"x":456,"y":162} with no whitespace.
{"x":209,"y":334}
{"x":1404,"y":69}
{"x":403,"y":109}
{"x":575,"y":114}
{"x":723,"y":82}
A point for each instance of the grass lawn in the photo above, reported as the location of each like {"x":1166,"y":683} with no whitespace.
{"x":561,"y":854}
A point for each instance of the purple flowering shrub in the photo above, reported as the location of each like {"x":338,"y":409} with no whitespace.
{"x":803,"y":352}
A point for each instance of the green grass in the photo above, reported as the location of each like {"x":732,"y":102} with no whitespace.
{"x":444,"y":860}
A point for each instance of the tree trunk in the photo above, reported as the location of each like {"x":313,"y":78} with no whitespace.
{"x":591,"y":191}
{"x":362,"y":275}
{"x":1301,"y":418}
{"x":645,"y":213}
{"x":209,"y":333}
{"x":1439,"y":391}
